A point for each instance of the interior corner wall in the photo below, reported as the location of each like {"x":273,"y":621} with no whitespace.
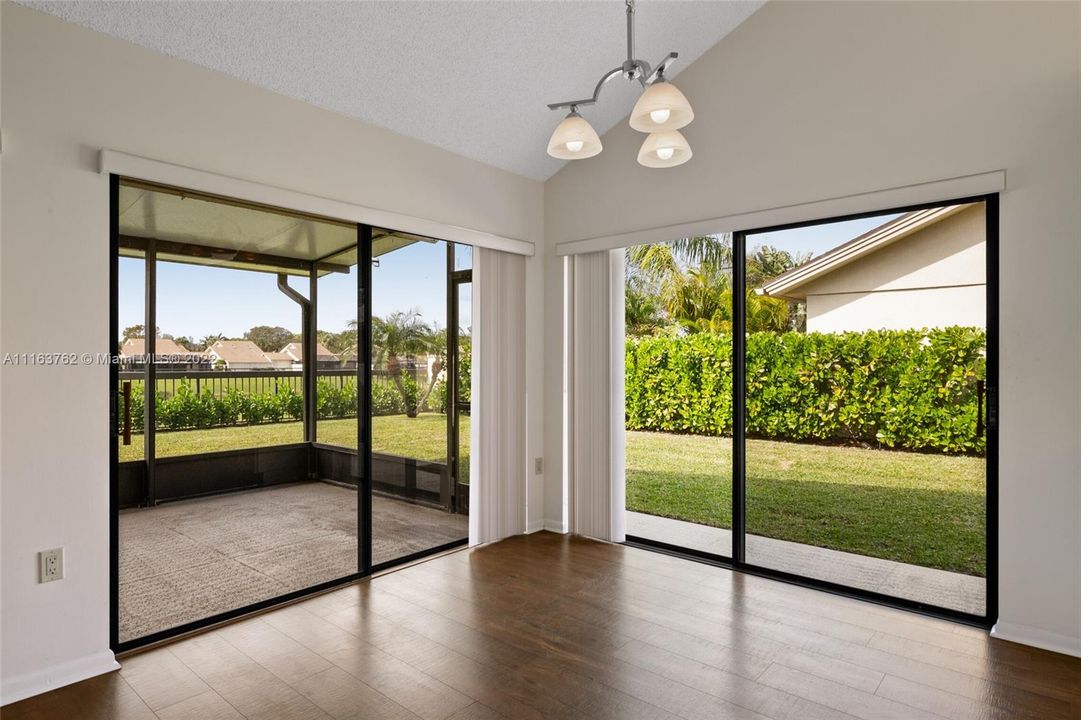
{"x":809,"y":101}
{"x":67,"y":93}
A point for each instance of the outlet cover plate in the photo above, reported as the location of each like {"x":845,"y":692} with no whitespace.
{"x":51,"y":565}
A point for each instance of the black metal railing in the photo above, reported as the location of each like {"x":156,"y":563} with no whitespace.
{"x":192,"y":399}
{"x":255,"y":382}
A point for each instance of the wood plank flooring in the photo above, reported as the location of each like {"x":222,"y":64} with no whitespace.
{"x":548,"y":626}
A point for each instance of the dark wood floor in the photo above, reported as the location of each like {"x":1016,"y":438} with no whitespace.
{"x":545,"y":626}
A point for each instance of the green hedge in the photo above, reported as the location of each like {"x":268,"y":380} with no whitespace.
{"x":905,"y":389}
{"x":185,"y":409}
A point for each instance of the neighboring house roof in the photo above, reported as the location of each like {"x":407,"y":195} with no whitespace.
{"x":278,"y":356}
{"x":295,"y":351}
{"x":788,"y":284}
{"x":136,"y":347}
{"x":238,"y":352}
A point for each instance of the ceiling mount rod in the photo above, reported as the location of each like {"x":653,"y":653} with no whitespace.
{"x":632,"y":68}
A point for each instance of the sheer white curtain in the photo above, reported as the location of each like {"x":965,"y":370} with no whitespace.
{"x":498,"y":445}
{"x":595,"y":414}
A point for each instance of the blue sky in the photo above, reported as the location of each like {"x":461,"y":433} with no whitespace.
{"x":817,"y":239}
{"x":197,"y":301}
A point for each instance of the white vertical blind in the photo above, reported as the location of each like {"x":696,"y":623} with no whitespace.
{"x":595,"y":395}
{"x":498,"y":451}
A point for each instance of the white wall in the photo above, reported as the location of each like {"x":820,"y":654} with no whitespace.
{"x":68,"y":92}
{"x":809,"y":101}
{"x":912,"y":309}
{"x":934,"y":277}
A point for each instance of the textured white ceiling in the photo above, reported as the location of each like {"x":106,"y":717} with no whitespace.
{"x":471,"y":77}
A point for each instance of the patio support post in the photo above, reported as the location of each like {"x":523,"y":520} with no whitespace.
{"x":307,"y":353}
{"x":310,"y":359}
{"x":150,"y":371}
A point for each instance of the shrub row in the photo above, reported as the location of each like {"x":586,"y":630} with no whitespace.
{"x":186,"y":409}
{"x":905,"y":389}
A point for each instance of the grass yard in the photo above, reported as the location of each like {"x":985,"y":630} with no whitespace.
{"x":920,"y":509}
{"x":423,"y":437}
{"x":913,"y":508}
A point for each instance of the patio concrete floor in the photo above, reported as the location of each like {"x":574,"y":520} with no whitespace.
{"x":927,"y":585}
{"x":187,"y":560}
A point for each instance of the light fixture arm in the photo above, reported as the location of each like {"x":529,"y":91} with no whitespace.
{"x":632,"y":68}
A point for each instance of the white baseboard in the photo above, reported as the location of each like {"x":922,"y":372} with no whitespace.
{"x":21,"y":687}
{"x":549,"y":525}
{"x":1036,"y":637}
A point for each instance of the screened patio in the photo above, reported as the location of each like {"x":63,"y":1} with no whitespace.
{"x":249,"y":474}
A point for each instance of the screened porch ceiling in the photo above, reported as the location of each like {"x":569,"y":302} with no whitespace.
{"x":199,"y":229}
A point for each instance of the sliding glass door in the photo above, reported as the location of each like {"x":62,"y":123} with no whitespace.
{"x":282,"y":403}
{"x":413,"y":509}
{"x":678,"y":325}
{"x":859,"y":425}
{"x":866,"y":428}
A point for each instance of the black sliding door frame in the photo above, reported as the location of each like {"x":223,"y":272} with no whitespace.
{"x":364,"y":399}
{"x":363,"y":461}
{"x":455,"y":280}
{"x":738,"y":560}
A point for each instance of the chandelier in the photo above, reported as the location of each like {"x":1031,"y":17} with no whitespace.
{"x":660,"y":111}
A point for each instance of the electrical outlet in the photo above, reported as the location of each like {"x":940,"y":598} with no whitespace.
{"x":51,"y":565}
{"x":538,"y":466}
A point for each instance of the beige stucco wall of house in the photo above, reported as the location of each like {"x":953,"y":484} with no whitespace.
{"x":935,"y":277}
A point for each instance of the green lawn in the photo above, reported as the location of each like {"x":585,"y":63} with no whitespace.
{"x":914,"y":508}
{"x":423,"y":437}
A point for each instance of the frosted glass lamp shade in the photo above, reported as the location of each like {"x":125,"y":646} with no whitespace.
{"x":664,"y":149}
{"x":574,"y":139}
{"x":661,"y":107}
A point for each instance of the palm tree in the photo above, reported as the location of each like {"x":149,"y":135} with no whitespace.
{"x":642,"y":312}
{"x":678,"y":277}
{"x":699,"y":299}
{"x":768,"y":314}
{"x":660,"y":261}
{"x":437,"y":347}
{"x":693,"y":279}
{"x":401,"y":335}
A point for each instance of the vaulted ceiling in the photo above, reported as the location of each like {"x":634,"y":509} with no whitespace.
{"x":473,"y":78}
